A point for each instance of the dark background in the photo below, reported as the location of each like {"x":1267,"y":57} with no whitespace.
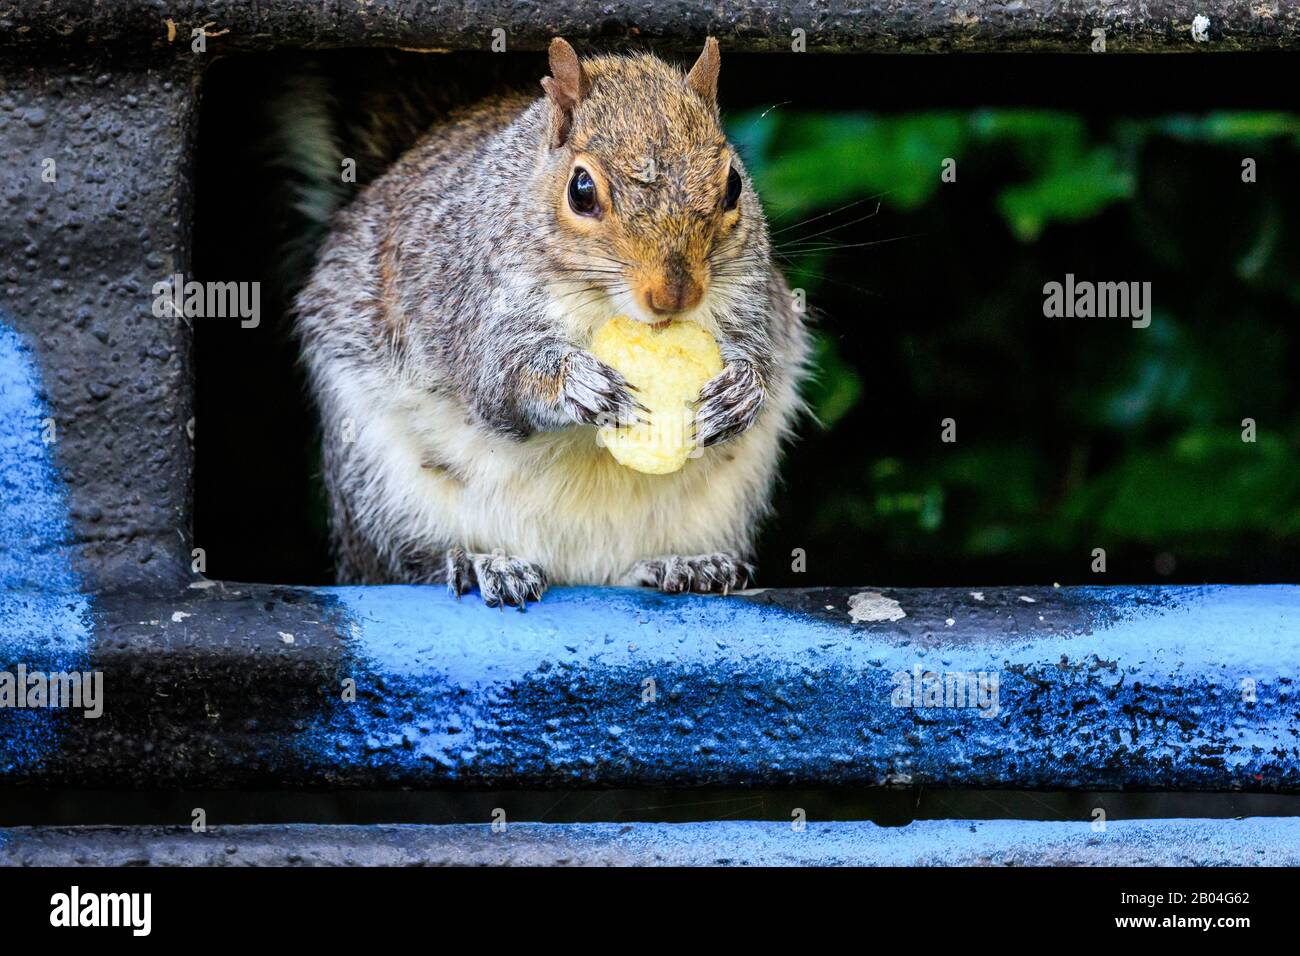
{"x":1072,"y":434}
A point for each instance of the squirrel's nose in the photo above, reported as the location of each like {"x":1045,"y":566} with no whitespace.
{"x":669,"y":297}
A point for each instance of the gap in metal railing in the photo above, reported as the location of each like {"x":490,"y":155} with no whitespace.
{"x":1024,"y":127}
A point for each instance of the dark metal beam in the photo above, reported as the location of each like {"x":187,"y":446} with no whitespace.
{"x":1257,"y":841}
{"x":1089,"y":688}
{"x":94,"y":200}
{"x":835,"y":26}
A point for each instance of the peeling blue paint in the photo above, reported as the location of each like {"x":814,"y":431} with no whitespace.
{"x":45,"y":613}
{"x":752,"y":694}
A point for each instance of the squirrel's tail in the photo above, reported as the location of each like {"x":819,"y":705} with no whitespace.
{"x":336,"y":121}
{"x":304,"y":149}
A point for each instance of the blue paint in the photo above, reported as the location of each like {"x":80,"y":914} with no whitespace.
{"x":753,"y":694}
{"x":34,"y":530}
{"x":1256,"y":841}
{"x":45,"y":615}
{"x":1149,"y":694}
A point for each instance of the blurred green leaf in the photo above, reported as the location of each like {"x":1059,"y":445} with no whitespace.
{"x":834,"y":387}
{"x":831,"y":158}
{"x":1083,"y":188}
{"x":1230,"y":127}
{"x":1206,"y":483}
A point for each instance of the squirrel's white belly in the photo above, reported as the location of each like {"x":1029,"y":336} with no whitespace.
{"x":558,"y":498}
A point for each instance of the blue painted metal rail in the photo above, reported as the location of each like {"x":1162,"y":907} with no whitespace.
{"x":1258,"y":841}
{"x":1056,"y":688}
{"x":224,"y":685}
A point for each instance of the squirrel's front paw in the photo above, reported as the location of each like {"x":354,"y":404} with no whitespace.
{"x":719,"y":573}
{"x":728,"y":403}
{"x":501,"y":579}
{"x":593,"y":393}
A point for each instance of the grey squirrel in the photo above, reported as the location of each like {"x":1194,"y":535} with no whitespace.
{"x":445,"y":326}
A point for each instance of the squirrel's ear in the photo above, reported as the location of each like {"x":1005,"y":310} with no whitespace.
{"x":565,"y":88}
{"x":703,"y":78}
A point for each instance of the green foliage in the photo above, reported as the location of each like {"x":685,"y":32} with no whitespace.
{"x":835,"y":387}
{"x":1072,"y":434}
{"x":833,"y":158}
{"x":1066,"y":194}
{"x":1230,"y":127}
{"x":1193,"y":492}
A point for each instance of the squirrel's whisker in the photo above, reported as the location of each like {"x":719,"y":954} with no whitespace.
{"x":837,"y":246}
{"x":830,"y":229}
{"x":837,"y":210}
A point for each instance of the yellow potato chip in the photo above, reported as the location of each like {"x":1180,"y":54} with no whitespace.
{"x":668,"y":366}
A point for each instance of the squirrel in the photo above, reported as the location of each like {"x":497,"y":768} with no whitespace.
{"x":444,"y":332}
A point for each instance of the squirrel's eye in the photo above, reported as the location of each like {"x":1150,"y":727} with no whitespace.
{"x":582,"y":193}
{"x":733,"y":190}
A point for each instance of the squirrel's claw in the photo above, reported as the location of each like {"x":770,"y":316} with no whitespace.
{"x":719,"y":573}
{"x":728,"y":404}
{"x":502,"y":580}
{"x":595,"y":394}
{"x":460,"y":572}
